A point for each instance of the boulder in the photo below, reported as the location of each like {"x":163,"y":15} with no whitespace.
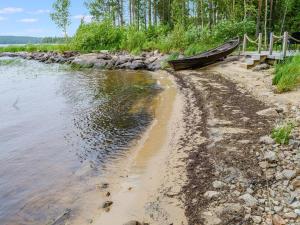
{"x":100,"y":64}
{"x":137,"y":64}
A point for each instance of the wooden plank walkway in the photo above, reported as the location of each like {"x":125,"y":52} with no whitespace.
{"x":276,"y":55}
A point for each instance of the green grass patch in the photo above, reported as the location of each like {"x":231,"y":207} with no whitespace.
{"x":7,"y":62}
{"x":36,"y":48}
{"x":281,"y":133}
{"x":287,"y":74}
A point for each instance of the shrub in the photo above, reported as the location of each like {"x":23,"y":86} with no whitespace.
{"x":228,"y":29}
{"x":133,"y":40}
{"x":281,"y":134}
{"x":97,"y":36}
{"x":287,"y":74}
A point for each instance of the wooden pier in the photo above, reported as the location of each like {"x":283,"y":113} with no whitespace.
{"x":253,"y":58}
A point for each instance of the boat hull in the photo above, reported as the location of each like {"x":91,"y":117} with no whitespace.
{"x":205,"y":58}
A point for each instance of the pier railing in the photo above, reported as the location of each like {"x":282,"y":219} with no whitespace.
{"x":273,"y":39}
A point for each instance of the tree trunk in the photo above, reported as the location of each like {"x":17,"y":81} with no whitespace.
{"x":283,"y":20}
{"x":258,"y":17}
{"x":202,"y":14}
{"x":245,"y":10}
{"x":210,"y":15}
{"x":155,"y":12}
{"x":149,"y":13}
{"x":266,"y":21}
{"x":271,"y":16}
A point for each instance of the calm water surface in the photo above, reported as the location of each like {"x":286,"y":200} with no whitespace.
{"x":59,"y":129}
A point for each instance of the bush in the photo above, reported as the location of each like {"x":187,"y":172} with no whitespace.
{"x":97,"y":36}
{"x":228,"y":29}
{"x":287,"y":74}
{"x":133,"y":40}
{"x":281,"y":134}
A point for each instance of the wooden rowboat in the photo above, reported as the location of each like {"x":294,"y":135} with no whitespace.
{"x":205,"y":58}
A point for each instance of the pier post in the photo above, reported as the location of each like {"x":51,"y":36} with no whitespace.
{"x":271,"y":43}
{"x":285,"y":44}
{"x":259,"y":42}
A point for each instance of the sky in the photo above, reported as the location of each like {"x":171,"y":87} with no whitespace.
{"x":31,"y":18}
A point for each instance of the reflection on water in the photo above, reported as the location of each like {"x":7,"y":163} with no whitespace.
{"x":58,"y":128}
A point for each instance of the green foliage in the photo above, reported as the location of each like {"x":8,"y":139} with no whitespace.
{"x":287,"y":74}
{"x":281,"y":134}
{"x":61,"y":14}
{"x":133,"y":40}
{"x":97,"y":36}
{"x":229,"y":29}
{"x":7,"y":62}
{"x":35,"y":48}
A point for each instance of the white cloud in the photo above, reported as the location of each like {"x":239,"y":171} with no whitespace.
{"x":10,"y":10}
{"x":28,"y":20}
{"x":40,"y":11}
{"x":86,"y":18}
{"x":2,"y":18}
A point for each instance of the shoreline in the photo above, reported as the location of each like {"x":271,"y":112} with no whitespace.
{"x":208,"y":157}
{"x":140,"y":184}
{"x":151,"y":61}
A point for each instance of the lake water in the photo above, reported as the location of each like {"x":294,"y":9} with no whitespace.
{"x":60,"y":130}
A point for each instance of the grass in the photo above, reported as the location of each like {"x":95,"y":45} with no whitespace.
{"x":7,"y":62}
{"x":287,"y":74}
{"x":35,"y":48}
{"x":281,"y":133}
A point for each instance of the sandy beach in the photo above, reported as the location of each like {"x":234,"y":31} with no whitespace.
{"x":198,"y":162}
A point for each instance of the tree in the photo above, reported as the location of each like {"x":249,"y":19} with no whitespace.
{"x":61,"y":15}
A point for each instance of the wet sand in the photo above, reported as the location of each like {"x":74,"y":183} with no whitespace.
{"x":138,"y":184}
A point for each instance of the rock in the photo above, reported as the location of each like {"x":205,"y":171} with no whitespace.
{"x":256,"y":219}
{"x":125,"y":65}
{"x":212,"y":194}
{"x":268,"y":112}
{"x":107,"y":204}
{"x":291,"y":215}
{"x":249,"y":200}
{"x":278,"y":208}
{"x":270,"y":156}
{"x":104,"y":56}
{"x":263,"y":164}
{"x":296,"y":184}
{"x":123,"y":59}
{"x":100,"y":64}
{"x":151,"y":59}
{"x":297,"y":211}
{"x":266,"y":140}
{"x":137,"y":64}
{"x":260,"y":67}
{"x":103,"y":186}
{"x":218,"y":184}
{"x":277,"y":220}
{"x":133,"y":222}
{"x":154,"y":66}
{"x":295,"y":205}
{"x":289,"y":174}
